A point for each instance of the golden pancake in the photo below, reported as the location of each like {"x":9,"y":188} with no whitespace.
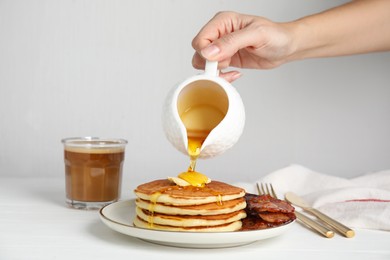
{"x":233,"y":226}
{"x":203,"y":209}
{"x":189,"y":221}
{"x":167,"y":192}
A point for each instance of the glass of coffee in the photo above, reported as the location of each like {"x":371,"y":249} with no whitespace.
{"x":93,"y":171}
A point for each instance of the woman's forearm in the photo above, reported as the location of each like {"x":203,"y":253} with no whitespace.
{"x":357,"y":27}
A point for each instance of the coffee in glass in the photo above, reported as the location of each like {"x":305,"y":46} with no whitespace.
{"x":93,"y":171}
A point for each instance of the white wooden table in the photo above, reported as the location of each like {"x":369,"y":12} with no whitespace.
{"x":36,"y":224}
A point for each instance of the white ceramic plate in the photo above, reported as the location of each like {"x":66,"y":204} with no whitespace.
{"x":119,"y":217}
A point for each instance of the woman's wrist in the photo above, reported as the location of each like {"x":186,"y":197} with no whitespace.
{"x":299,"y":44}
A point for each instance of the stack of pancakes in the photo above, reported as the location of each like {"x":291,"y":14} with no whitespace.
{"x":163,"y":205}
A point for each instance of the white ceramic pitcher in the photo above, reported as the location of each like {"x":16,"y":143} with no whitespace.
{"x":209,"y":88}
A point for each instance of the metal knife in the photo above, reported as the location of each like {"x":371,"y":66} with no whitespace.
{"x":299,"y":202}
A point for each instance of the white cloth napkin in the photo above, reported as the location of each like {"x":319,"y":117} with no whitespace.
{"x":361,"y":202}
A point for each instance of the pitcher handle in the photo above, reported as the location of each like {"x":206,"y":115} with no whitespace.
{"x":211,"y":68}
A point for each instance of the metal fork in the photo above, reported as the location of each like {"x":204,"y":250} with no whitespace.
{"x":267,"y":188}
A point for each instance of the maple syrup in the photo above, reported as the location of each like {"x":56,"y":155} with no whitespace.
{"x":152,"y":205}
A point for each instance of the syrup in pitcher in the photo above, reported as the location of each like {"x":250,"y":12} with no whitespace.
{"x":199,"y":121}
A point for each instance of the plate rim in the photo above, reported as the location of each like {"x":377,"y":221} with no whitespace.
{"x":187,"y":239}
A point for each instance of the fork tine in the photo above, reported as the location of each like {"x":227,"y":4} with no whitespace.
{"x":264,"y":188}
{"x":258,"y":189}
{"x":273,"y":193}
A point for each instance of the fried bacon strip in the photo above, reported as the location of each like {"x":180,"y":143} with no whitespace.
{"x":265,"y":211}
{"x":266,"y":203}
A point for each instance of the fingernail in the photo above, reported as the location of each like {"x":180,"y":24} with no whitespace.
{"x":210,"y":51}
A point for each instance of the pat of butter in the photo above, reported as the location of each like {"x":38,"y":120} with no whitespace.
{"x":194,"y":178}
{"x":200,"y":181}
{"x":179,"y":182}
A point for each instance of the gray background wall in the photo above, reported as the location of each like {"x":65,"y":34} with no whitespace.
{"x":103,"y":68}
